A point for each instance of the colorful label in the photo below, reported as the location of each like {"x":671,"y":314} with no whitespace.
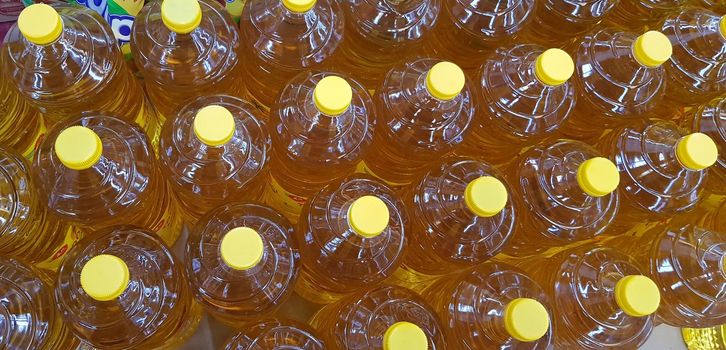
{"x":362,"y":168}
{"x":73,"y":235}
{"x":30,"y":151}
{"x":234,"y":8}
{"x":120,"y":15}
{"x":289,"y":201}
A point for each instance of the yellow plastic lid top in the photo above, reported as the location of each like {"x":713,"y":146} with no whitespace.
{"x":368,"y":216}
{"x":181,"y":16}
{"x":697,"y":151}
{"x":554,"y":67}
{"x":78,"y":147}
{"x":242,"y":248}
{"x":214,"y":125}
{"x":299,"y":6}
{"x":486,"y":196}
{"x":445,"y":80}
{"x":332,"y":95}
{"x":40,"y":24}
{"x":405,"y":336}
{"x":637,"y":295}
{"x":598,"y":176}
{"x":722,"y":26}
{"x":104,"y":277}
{"x":526,"y":319}
{"x":652,"y":49}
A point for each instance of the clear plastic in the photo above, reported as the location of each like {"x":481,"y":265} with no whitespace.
{"x":581,"y":284}
{"x":29,"y":319}
{"x":336,"y":260}
{"x":469,"y":30}
{"x":613,"y":87}
{"x":178,"y":67}
{"x":559,"y":211}
{"x":415,"y":128}
{"x":234,"y":296}
{"x":311,"y":148}
{"x":155,"y":311}
{"x":360,"y":321}
{"x":125,"y":186}
{"x":516,"y":108}
{"x":714,"y":5}
{"x":203,"y":176}
{"x":380,"y":33}
{"x":21,"y":126}
{"x":277,"y":44}
{"x":638,"y":15}
{"x":710,"y":119}
{"x":471,"y":306}
{"x":275,"y":334}
{"x":556,"y":22}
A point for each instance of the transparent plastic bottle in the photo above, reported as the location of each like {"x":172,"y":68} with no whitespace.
{"x":493,"y":306}
{"x":215,"y":149}
{"x":468,"y":30}
{"x":380,"y":33}
{"x":274,"y":334}
{"x":526,"y":96}
{"x":639,"y":15}
{"x":352,"y":235}
{"x":718,"y":6}
{"x":662,"y":169}
{"x":321,"y":128}
{"x":688,"y":263}
{"x":619,"y":77}
{"x":97,"y":171}
{"x":558,"y":22}
{"x":568,"y":191}
{"x":65,"y":60}
{"x":710,"y":119}
{"x":242,"y":260}
{"x":22,"y":125}
{"x":184,"y":49}
{"x":600,"y":296}
{"x":382,"y":318}
{"x":425,"y":108}
{"x":281,"y":38}
{"x":29,"y":319}
{"x":122,"y":288}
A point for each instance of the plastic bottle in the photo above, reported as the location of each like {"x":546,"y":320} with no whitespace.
{"x":97,"y":171}
{"x":710,"y":119}
{"x":242,"y":260}
{"x":321,"y":128}
{"x":469,"y":30}
{"x":352,"y":235}
{"x":22,"y":125}
{"x":619,"y":77}
{"x":380,"y":33}
{"x":425,"y":108}
{"x":382,"y":318}
{"x":638,"y":15}
{"x":29,"y":320}
{"x":65,"y":60}
{"x":569,"y":192}
{"x":281,"y":38}
{"x":493,"y":306}
{"x":662,"y":169}
{"x":184,"y":49}
{"x":526,"y":96}
{"x":215,"y":149}
{"x":273,"y":334}
{"x":122,"y":288}
{"x":601,"y":297}
{"x":557,"y":22}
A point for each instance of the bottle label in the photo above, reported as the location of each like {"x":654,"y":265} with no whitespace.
{"x":234,"y":8}
{"x":30,"y":151}
{"x":289,"y":201}
{"x":362,"y":168}
{"x":120,"y":15}
{"x":73,"y":235}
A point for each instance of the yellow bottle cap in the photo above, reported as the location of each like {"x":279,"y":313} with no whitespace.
{"x":214,"y":125}
{"x":405,"y":336}
{"x":486,"y":196}
{"x":368,"y":216}
{"x":299,"y":6}
{"x":652,"y":49}
{"x":722,"y":26}
{"x":637,"y":295}
{"x":696,"y":151}
{"x":332,"y":95}
{"x":181,"y":16}
{"x":40,"y":24}
{"x":242,"y":248}
{"x":445,"y":80}
{"x":554,"y":67}
{"x":104,"y":277}
{"x":598,"y":176}
{"x":78,"y":147}
{"x":526,"y":319}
